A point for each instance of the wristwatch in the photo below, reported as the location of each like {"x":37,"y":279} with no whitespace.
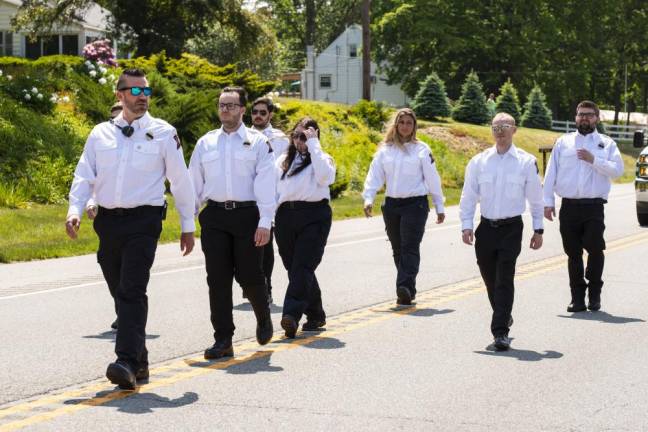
{"x":539,"y":231}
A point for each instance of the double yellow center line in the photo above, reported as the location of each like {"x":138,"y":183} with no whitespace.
{"x":50,"y":406}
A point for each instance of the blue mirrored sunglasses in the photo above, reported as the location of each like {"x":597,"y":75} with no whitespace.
{"x":136,"y":91}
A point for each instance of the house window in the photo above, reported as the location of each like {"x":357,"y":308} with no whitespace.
{"x":70,"y":45}
{"x":353,"y":50}
{"x":51,"y":45}
{"x":325,"y":81}
{"x":32,"y":48}
{"x":6,"y":44}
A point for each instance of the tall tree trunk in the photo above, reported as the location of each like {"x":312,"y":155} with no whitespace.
{"x":366,"y":50}
{"x":311,"y":14}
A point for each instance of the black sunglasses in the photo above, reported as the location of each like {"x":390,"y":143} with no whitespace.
{"x":260,"y":112}
{"x":136,"y":91}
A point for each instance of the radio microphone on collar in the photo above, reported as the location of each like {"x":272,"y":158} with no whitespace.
{"x":127,"y":130}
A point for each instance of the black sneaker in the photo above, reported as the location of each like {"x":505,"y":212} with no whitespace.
{"x":264,"y":331}
{"x":313,"y":325}
{"x":289,"y":325}
{"x":220,"y":349}
{"x":502,"y":343}
{"x":121,"y":374}
{"x":404,"y":296}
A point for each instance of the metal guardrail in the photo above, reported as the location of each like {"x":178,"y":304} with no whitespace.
{"x":616,"y":132}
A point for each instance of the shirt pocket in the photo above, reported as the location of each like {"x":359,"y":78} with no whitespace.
{"x":106,"y":155}
{"x":486,"y":185}
{"x":146,"y":157}
{"x":410,"y":167}
{"x":568,"y":158}
{"x":244,"y":163}
{"x":388,"y":163}
{"x":210,"y":163}
{"x":514,"y":186}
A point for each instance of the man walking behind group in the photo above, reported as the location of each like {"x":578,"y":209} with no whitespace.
{"x":580,"y":170}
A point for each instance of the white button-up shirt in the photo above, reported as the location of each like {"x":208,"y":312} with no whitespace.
{"x":128,"y":172}
{"x":237,"y":166}
{"x":310,"y":184}
{"x":501,"y":184}
{"x":570,"y":177}
{"x":278,"y":140}
{"x":407,"y":173}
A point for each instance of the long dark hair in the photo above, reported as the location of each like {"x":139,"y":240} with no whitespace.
{"x":305,"y":123}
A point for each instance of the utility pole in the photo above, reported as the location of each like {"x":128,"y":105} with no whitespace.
{"x":366,"y":50}
{"x":310,"y":43}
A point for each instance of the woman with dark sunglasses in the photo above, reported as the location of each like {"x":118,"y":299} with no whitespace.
{"x":302,"y":223}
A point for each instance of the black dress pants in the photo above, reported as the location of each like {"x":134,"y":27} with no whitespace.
{"x":227,"y":240}
{"x":301,"y":233}
{"x":268,"y":261}
{"x":405,"y":220}
{"x":127,"y":245}
{"x":581,"y":227}
{"x":497,"y":249}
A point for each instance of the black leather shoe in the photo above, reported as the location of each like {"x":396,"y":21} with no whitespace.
{"x":404,"y":296}
{"x":502,"y":343}
{"x":264,"y":331}
{"x":313,"y":325}
{"x":114,"y":324}
{"x":121,"y":374}
{"x":576,"y":307}
{"x":220,"y":349}
{"x":594,"y":306}
{"x":142,"y":373}
{"x":289,"y":324}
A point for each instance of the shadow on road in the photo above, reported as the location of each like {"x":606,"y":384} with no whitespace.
{"x":135,"y":402}
{"x":414,"y":311}
{"x":602,"y":317}
{"x":248,"y":307}
{"x":522,"y":355}
{"x":112,"y":334}
{"x":259,"y":362}
{"x":325,"y":343}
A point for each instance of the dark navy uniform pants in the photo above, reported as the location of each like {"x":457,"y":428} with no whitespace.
{"x":227,"y":240}
{"x":405,"y":220}
{"x":581,"y":227}
{"x":127,"y":243}
{"x":301,"y":230}
{"x":497,"y":249}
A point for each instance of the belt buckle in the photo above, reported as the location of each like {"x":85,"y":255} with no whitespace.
{"x":229,"y":205}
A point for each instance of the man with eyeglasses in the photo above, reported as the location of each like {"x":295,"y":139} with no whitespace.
{"x":124,"y":164}
{"x":580,"y":170}
{"x":233,"y":173}
{"x":501,"y":179}
{"x":262,"y":111}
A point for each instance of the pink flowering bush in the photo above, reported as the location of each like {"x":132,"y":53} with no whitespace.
{"x":100,"y":52}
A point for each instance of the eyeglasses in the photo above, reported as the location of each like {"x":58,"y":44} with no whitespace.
{"x":262,"y":113}
{"x":136,"y":91}
{"x":501,"y":128}
{"x":298,"y":136}
{"x":586,"y":114}
{"x":228,"y":106}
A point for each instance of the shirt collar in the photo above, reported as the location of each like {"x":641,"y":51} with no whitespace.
{"x":594,"y":136}
{"x":139,"y":124}
{"x":512,"y":151}
{"x":241,"y":131}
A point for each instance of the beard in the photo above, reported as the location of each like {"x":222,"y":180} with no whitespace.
{"x":585,"y":129}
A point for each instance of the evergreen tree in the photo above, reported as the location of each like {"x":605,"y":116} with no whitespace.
{"x":536,"y":114}
{"x":508,"y":101}
{"x":431,"y":101}
{"x":471,"y":107}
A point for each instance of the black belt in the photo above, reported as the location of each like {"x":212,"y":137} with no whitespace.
{"x":231,"y":205}
{"x":297,"y":205}
{"x":145,"y":209}
{"x":405,"y":200}
{"x":584,"y":201}
{"x":495,"y":223}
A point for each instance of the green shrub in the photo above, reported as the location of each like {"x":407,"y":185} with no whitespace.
{"x":471,"y":107}
{"x":536,"y":114}
{"x":431,"y":101}
{"x":92,"y":99}
{"x":508,"y":101}
{"x":374,"y":114}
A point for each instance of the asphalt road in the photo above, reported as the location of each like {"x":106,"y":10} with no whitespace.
{"x":377,"y":367}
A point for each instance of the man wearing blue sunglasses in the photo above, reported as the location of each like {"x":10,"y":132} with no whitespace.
{"x":124,"y":166}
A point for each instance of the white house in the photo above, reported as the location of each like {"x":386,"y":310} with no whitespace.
{"x":64,"y":40}
{"x":335,"y":74}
